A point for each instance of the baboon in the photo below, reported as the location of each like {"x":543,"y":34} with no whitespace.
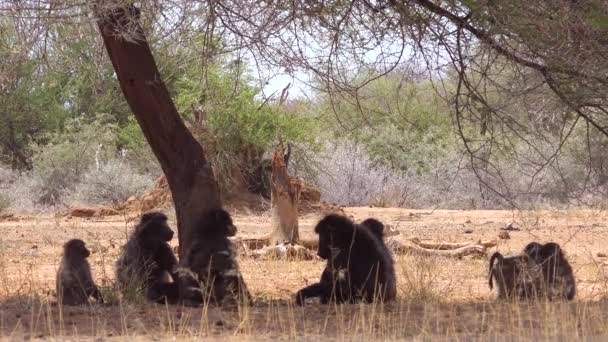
{"x":147,"y":261}
{"x":516,"y":276}
{"x":558,"y":278}
{"x":74,"y":281}
{"x":533,"y":251}
{"x":214,"y":271}
{"x":540,"y":271}
{"x":358,"y":266}
{"x":375,"y":226}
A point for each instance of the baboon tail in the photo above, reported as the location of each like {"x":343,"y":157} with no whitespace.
{"x":494,"y":256}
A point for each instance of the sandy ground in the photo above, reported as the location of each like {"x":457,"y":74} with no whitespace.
{"x":438,"y":298}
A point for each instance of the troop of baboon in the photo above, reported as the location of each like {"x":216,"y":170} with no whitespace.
{"x":359,"y":266}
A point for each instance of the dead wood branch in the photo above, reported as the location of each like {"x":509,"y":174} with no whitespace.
{"x":401,"y":247}
{"x":451,"y":245}
{"x":284,"y":251}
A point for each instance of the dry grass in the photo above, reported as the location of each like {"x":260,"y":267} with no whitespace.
{"x":438,"y":298}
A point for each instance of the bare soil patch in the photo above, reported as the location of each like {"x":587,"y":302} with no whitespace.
{"x":439,"y":298}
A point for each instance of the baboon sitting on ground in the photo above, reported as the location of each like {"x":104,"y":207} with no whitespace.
{"x":74,"y":282}
{"x":147,"y":262}
{"x":358,"y":266}
{"x":540,"y":271}
{"x":557,"y":277}
{"x":213,"y":270}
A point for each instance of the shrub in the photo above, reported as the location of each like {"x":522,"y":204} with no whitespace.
{"x":61,"y":163}
{"x":113,"y":181}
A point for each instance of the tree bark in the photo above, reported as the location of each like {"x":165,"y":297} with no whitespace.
{"x":284,"y":198}
{"x":193,"y":186}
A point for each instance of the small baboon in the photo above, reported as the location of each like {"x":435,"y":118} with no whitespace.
{"x":147,"y":261}
{"x":213,"y":270}
{"x":358,"y":266}
{"x":558,"y":278}
{"x":375,"y":226}
{"x":74,"y":281}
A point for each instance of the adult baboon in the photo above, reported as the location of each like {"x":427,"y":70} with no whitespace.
{"x":517,"y":277}
{"x":74,"y":282}
{"x":375,"y":226}
{"x":358,"y":267}
{"x":558,"y":278}
{"x":147,"y":262}
{"x":214,"y":271}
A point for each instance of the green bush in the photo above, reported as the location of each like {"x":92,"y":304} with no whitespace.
{"x":239,"y":127}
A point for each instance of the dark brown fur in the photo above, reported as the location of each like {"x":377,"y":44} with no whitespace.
{"x":147,"y":261}
{"x":213,"y":270}
{"x":540,"y":271}
{"x":74,"y":282}
{"x":558,"y":278}
{"x":516,"y":276}
{"x":359,"y":266}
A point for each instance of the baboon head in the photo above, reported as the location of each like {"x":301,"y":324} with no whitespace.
{"x":218,"y":222}
{"x":532,"y":250}
{"x":550,"y":250}
{"x":335,"y":234}
{"x":75,"y":249}
{"x":375,"y":226}
{"x":153,"y":228}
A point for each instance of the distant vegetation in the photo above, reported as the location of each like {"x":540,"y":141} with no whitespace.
{"x":67,"y":135}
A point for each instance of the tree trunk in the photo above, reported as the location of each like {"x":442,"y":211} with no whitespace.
{"x":189,"y":175}
{"x":284,"y":198}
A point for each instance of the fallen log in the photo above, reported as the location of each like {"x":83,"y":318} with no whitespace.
{"x":401,"y":247}
{"x":284,"y":251}
{"x":451,"y":245}
{"x":253,"y":243}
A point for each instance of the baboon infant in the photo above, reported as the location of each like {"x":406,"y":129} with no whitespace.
{"x":213,"y":270}
{"x":540,"y":271}
{"x":74,"y":282}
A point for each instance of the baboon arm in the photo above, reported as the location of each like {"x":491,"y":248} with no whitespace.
{"x":166,"y":259}
{"x":314,"y":290}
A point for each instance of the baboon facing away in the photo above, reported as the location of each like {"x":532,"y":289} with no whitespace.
{"x":358,"y":266}
{"x":74,"y":282}
{"x":214,"y":273}
{"x":516,"y":276}
{"x":147,"y":262}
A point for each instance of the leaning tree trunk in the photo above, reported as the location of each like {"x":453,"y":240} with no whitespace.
{"x":190,"y":177}
{"x":284,"y":198}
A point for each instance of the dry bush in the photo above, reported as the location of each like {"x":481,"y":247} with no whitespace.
{"x":112,"y":182}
